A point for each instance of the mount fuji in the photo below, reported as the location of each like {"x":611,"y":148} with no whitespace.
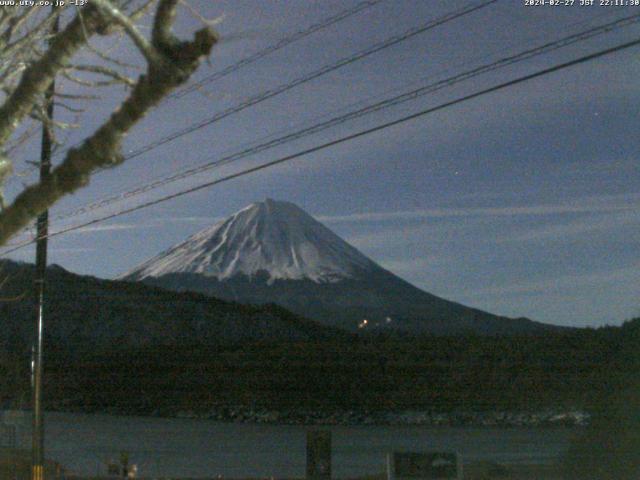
{"x":274,"y":252}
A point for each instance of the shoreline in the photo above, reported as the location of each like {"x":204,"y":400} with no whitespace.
{"x":548,"y":418}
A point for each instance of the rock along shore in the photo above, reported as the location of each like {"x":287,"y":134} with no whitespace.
{"x":551,"y":417}
{"x":548,"y":418}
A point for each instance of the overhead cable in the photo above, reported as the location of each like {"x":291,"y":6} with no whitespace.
{"x":344,"y":139}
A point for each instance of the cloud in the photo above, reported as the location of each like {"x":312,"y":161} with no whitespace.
{"x":601,"y":166}
{"x":72,"y":250}
{"x":156,"y":223}
{"x":412,"y":265}
{"x":384,"y":238}
{"x":591,"y":224}
{"x":563,"y":282}
{"x":608,"y":203}
{"x":192,"y":219}
{"x":110,"y":228}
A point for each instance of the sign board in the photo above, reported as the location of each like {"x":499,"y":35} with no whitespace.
{"x":121,"y":469}
{"x":318,"y":455}
{"x":423,"y":465}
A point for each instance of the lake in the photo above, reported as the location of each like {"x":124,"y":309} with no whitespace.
{"x":207,"y":448}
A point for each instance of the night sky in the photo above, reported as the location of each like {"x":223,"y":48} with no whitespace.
{"x":523,"y":202}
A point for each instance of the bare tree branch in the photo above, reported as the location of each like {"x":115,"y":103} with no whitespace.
{"x":37,"y":77}
{"x":130,"y":29}
{"x":69,"y":108}
{"x":175,"y":63}
{"x":116,"y":77}
{"x":161,"y":35}
{"x":73,"y":96}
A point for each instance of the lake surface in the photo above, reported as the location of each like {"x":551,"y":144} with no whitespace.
{"x":207,"y":448}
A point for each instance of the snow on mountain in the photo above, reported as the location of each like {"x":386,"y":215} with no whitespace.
{"x":274,"y":252}
{"x":272,"y":236}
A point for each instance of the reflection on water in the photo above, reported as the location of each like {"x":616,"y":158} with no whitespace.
{"x":200,"y":448}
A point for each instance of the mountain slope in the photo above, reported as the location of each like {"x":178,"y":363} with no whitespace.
{"x":86,"y":313}
{"x":275,"y":252}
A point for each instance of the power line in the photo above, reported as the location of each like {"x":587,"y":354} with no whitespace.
{"x":345,"y":61}
{"x":280,"y":44}
{"x":275,"y":47}
{"x":384,"y":104}
{"x":268,"y":94}
{"x":344,"y":139}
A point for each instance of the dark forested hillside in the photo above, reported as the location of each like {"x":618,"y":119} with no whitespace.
{"x":130,"y":348}
{"x":86,"y":313}
{"x":471,"y":373}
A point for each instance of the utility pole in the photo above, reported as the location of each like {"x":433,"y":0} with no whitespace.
{"x":37,"y":445}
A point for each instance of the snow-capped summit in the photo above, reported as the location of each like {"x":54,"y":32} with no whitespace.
{"x":272,"y":237}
